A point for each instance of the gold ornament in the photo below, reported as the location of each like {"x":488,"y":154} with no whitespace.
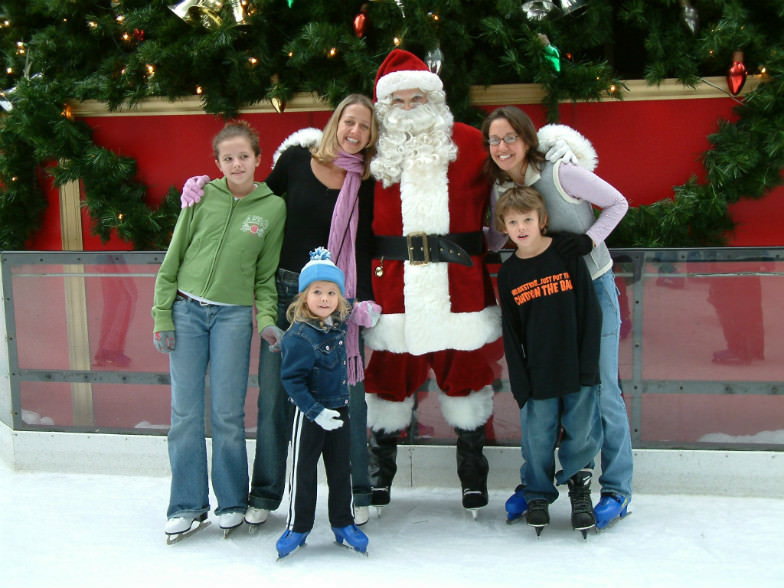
{"x":238,"y":12}
{"x":278,"y":104}
{"x":379,"y":271}
{"x":206,"y":12}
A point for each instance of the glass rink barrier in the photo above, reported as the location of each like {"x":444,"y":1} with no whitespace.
{"x":701,"y":359}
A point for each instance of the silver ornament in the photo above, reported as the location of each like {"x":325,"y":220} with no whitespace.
{"x":537,"y":10}
{"x":434,"y":59}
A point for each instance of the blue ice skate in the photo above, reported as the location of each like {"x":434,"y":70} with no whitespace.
{"x":609,"y":508}
{"x":516,"y":506}
{"x":290,"y":541}
{"x":354,"y":538}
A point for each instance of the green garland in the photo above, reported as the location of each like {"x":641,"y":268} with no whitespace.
{"x":122,"y":51}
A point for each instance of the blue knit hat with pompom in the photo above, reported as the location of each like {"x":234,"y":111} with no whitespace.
{"x":320,"y":267}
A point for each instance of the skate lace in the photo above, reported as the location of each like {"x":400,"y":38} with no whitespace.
{"x":581,"y":499}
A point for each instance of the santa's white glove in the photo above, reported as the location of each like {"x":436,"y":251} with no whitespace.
{"x":560,"y":151}
{"x":329,"y":419}
{"x":192,"y":190}
{"x":366,"y":313}
{"x":272,"y":334}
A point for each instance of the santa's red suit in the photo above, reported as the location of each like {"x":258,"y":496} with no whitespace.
{"x":439,"y":309}
{"x":439,"y":314}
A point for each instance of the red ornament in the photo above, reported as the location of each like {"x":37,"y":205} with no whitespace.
{"x":736,"y":76}
{"x":138,"y":35}
{"x":360,"y":22}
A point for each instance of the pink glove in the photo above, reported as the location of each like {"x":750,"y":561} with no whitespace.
{"x":366,"y":313}
{"x":192,"y":190}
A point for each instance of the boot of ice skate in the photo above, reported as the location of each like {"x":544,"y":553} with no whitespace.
{"x":382,"y":465}
{"x":472,"y":467}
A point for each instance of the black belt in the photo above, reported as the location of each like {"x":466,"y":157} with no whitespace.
{"x":421,"y":248}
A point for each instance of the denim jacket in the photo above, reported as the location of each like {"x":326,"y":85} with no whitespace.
{"x":313,"y":366}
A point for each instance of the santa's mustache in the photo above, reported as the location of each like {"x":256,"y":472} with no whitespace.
{"x":425,"y":118}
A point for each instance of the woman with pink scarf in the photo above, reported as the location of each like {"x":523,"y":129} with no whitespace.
{"x":325,"y":180}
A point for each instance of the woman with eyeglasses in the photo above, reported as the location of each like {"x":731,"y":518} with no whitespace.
{"x":571,"y":192}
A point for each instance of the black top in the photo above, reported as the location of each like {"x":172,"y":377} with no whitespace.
{"x":552,"y":325}
{"x":309,"y":206}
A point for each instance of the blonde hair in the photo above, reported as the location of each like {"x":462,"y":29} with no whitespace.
{"x":237,"y":128}
{"x":298,"y":310}
{"x":327,"y":149}
{"x":521,"y":199}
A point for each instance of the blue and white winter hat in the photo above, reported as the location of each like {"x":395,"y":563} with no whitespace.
{"x":320,"y":267}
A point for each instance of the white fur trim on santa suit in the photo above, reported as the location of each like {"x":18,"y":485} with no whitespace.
{"x":386,"y":415}
{"x":408,"y":80}
{"x":402,"y":70}
{"x":411,"y":333}
{"x":308,"y":137}
{"x":467,"y":412}
{"x":428,"y":323}
{"x":582,"y":147}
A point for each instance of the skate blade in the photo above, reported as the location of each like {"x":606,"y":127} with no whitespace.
{"x":354,"y":549}
{"x":378,"y":510}
{"x":538,"y":528}
{"x":253,"y":528}
{"x":228,"y":531}
{"x":177,"y":537}
{"x":514,"y":519}
{"x":612,"y":522}
{"x":584,"y":530}
{"x":292,"y":552}
{"x":474,"y":512}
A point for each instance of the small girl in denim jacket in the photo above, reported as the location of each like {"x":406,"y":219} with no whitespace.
{"x":315,"y":376}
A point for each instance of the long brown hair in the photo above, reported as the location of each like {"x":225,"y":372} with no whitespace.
{"x":526,"y":131}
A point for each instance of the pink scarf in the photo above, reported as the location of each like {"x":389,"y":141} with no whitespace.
{"x":342,"y":241}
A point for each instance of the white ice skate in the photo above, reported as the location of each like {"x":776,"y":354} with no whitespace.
{"x":177,"y":528}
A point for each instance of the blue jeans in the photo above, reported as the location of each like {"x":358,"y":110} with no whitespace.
{"x":616,"y":452}
{"x":275,"y":416}
{"x":578,"y":413}
{"x":616,"y":456}
{"x":219,"y":336}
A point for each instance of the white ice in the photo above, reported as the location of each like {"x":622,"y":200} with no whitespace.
{"x":88,"y":530}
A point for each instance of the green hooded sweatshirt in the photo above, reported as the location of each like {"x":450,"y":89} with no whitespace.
{"x":224,"y":250}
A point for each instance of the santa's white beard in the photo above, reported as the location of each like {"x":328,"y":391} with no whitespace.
{"x":420,"y":138}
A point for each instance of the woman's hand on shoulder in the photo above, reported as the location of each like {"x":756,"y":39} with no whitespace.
{"x":193,"y":190}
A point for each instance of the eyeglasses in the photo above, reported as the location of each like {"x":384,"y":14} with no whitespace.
{"x":509,"y":139}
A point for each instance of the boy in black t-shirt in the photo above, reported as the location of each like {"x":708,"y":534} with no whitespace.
{"x":552,"y":328}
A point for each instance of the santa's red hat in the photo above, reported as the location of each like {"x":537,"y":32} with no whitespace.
{"x":402,"y":70}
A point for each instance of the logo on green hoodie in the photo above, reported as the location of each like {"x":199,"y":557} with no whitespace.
{"x":255,"y":225}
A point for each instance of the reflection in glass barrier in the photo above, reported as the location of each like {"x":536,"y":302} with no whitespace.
{"x":701,"y":351}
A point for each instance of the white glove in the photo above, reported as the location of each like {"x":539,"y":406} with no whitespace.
{"x":561,"y":151}
{"x":272,"y":334}
{"x":329,"y":420}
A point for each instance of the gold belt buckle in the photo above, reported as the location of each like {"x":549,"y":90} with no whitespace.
{"x":425,"y":249}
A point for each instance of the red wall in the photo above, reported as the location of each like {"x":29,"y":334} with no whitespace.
{"x":645,"y":149}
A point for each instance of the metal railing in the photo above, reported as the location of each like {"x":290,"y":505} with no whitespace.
{"x":701,"y":354}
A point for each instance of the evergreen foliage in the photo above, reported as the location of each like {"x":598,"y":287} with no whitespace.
{"x":122,"y":51}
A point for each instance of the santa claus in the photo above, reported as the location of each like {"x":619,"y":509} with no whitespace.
{"x":429,"y":275}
